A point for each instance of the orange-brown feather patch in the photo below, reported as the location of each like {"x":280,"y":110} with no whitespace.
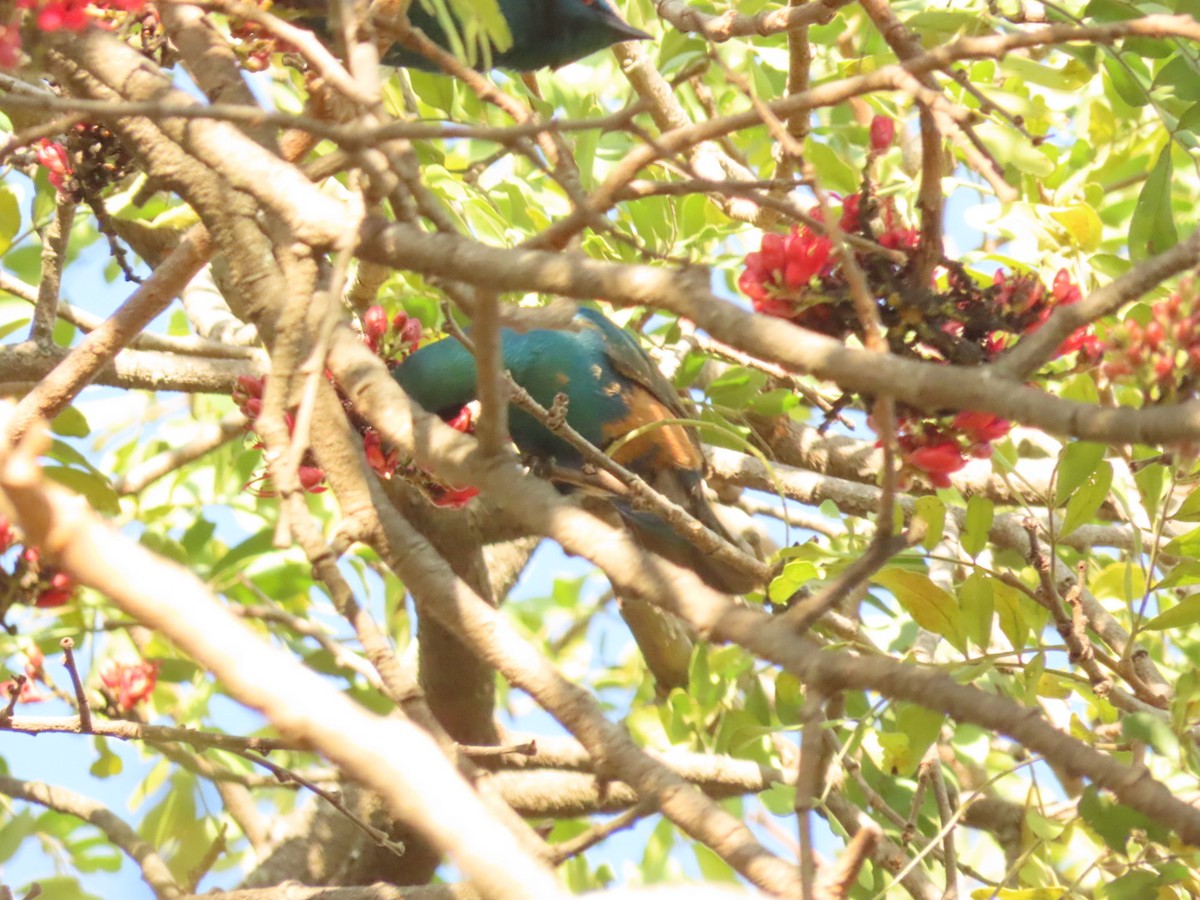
{"x":668,"y":445}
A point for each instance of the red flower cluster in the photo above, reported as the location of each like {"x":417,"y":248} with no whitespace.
{"x":447,"y":496}
{"x":437,"y":492}
{"x":10,"y":46}
{"x":938,"y":447}
{"x":777,"y":277}
{"x":795,"y":276}
{"x":1023,"y":301}
{"x":73,"y":15}
{"x":1162,"y":356}
{"x":132,"y":682}
{"x":29,"y":692}
{"x":50,"y":588}
{"x":390,"y":340}
{"x":393,"y":341}
{"x":53,"y":156}
{"x":248,"y":396}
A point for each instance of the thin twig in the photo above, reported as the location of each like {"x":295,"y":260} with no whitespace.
{"x":81,"y":700}
{"x":54,"y":256}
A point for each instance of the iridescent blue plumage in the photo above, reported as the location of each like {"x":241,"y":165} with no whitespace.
{"x":612,"y":389}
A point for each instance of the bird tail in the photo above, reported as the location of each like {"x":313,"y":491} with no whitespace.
{"x":658,"y":537}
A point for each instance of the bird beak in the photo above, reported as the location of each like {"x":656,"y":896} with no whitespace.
{"x":619,"y":25}
{"x":628,"y":32}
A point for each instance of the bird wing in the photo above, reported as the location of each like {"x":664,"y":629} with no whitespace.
{"x":630,"y":360}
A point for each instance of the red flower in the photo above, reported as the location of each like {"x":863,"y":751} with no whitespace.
{"x":782,"y":268}
{"x":311,"y":478}
{"x":883,"y":132}
{"x":982,"y":427}
{"x":384,"y":464}
{"x":807,"y":254}
{"x":10,"y":46}
{"x":374,"y":326}
{"x":35,"y":662}
{"x":451,"y":497}
{"x":53,"y":156}
{"x":937,"y":459}
{"x":410,"y":333}
{"x":133,"y":682}
{"x":30,"y":693}
{"x":250,"y":386}
{"x":61,"y":589}
{"x":850,"y":213}
{"x":464,"y":420}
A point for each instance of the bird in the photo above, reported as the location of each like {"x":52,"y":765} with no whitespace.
{"x":545,"y":33}
{"x":612,"y":389}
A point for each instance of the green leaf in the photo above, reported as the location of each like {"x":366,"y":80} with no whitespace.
{"x":1178,"y":79}
{"x":976,"y":598}
{"x":1011,"y":613}
{"x":1151,"y":730}
{"x":71,"y":423}
{"x":92,"y":485}
{"x":779,"y":799}
{"x":1150,"y":480}
{"x":107,"y":763}
{"x":736,"y":387}
{"x":937,"y":26}
{"x":930,"y":606}
{"x":1136,"y":885}
{"x":920,"y":725}
{"x":1082,"y":224}
{"x":45,"y":198}
{"x":1182,"y":615}
{"x":977,"y":524}
{"x":1087,"y":500}
{"x":255,"y":545}
{"x":1114,"y":821}
{"x":10,"y":218}
{"x":197,"y":537}
{"x":1126,"y":86}
{"x":1152,"y":227}
{"x":796,"y":574}
{"x":788,"y":698}
{"x":59,"y":887}
{"x":712,"y":867}
{"x":831,"y":168}
{"x":1184,"y":573}
{"x":14,"y":832}
{"x":1189,"y":509}
{"x":1071,"y":77}
{"x":932,"y":512}
{"x":1076,"y":463}
{"x":1186,"y":545}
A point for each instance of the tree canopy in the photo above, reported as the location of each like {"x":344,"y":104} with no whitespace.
{"x":922,"y":275}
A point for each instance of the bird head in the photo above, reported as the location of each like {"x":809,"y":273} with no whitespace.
{"x":585,"y":26}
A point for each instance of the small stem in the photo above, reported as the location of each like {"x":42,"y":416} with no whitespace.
{"x":85,"y":711}
{"x":54,"y":256}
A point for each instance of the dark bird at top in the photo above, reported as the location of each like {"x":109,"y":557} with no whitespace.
{"x":612,"y":389}
{"x":544,"y":33}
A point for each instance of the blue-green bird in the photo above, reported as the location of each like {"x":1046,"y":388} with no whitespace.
{"x":612,"y":389}
{"x":544,"y":33}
